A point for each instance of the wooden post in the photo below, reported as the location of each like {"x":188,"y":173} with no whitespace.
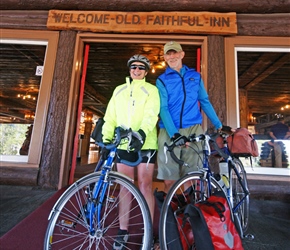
{"x":88,"y":130}
{"x":49,"y":172}
{"x":244,"y":108}
{"x":216,"y":76}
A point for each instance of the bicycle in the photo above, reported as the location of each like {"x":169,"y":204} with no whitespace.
{"x":199,"y":185}
{"x":86,"y":215}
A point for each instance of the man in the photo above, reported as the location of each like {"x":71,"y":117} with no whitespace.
{"x":279,"y":131}
{"x":182,"y":93}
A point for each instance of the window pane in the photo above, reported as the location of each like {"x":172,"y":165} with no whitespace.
{"x":20,"y":77}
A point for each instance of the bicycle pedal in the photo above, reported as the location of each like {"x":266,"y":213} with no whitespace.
{"x":67,"y":223}
{"x":111,"y":198}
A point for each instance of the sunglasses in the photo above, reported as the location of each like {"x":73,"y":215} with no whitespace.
{"x":140,"y":67}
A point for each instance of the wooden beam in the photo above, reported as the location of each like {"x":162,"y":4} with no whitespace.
{"x":93,"y":94}
{"x":264,"y":24}
{"x":256,"y":68}
{"x":17,"y":19}
{"x":144,"y":22}
{"x":239,"y":6}
{"x":98,"y":110}
{"x":271,"y":123}
{"x":277,"y":24}
{"x":244,"y":108}
{"x":269,"y":71}
{"x":18,"y":176}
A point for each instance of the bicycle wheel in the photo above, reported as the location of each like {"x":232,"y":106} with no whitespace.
{"x":69,"y":227}
{"x":239,"y":197}
{"x":191,"y":188}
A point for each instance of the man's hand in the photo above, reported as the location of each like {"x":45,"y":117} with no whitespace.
{"x":227,"y":129}
{"x":137,"y":141}
{"x":179,"y":139}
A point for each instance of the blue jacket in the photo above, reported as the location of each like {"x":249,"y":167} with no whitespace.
{"x":180,"y":97}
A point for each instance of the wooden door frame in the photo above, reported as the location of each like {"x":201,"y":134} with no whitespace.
{"x":83,"y":38}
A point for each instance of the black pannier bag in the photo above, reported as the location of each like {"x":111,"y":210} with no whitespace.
{"x":97,"y":132}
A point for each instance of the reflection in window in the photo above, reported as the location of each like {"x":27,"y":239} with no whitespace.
{"x":263,"y":87}
{"x":20,"y":77}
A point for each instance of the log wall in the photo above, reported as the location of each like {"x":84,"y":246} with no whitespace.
{"x":248,"y":24}
{"x":19,"y":176}
{"x":238,"y":6}
{"x":253,"y":18}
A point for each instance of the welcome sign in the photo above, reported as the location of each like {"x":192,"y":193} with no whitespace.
{"x":143,"y":22}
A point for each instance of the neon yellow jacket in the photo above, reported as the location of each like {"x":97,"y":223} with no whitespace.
{"x":134,"y":105}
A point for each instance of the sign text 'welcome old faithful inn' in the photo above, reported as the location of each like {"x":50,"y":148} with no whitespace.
{"x":143,"y":22}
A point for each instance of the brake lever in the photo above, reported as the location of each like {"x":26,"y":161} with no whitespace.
{"x":173,"y":156}
{"x":165,"y":152}
{"x":129,"y":137}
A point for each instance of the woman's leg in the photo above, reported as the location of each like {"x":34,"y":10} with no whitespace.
{"x":145,"y":180}
{"x":125,"y":197}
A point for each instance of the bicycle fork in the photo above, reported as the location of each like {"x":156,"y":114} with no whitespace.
{"x":98,"y":195}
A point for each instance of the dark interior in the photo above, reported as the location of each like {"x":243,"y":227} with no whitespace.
{"x":265,"y":76}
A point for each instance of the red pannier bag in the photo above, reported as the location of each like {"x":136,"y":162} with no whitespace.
{"x":242,"y":143}
{"x":212,"y":224}
{"x":178,"y":231}
{"x":184,"y":229}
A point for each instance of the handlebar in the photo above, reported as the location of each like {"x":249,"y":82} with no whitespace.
{"x":170,"y":148}
{"x":208,"y":139}
{"x":122,"y":133}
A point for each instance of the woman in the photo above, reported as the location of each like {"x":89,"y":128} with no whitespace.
{"x":134,"y":104}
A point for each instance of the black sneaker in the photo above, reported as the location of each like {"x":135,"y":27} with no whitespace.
{"x":121,"y":240}
{"x":155,"y":244}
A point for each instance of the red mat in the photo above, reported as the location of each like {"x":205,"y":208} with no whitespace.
{"x":29,"y":233}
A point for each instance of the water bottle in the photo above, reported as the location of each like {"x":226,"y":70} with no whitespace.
{"x":224,"y":172}
{"x":224,"y":169}
{"x":219,"y":179}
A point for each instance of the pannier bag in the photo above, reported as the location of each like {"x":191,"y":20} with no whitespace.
{"x":212,"y":225}
{"x":220,"y":144}
{"x":242,"y":143}
{"x":97,"y":132}
{"x":178,"y":231}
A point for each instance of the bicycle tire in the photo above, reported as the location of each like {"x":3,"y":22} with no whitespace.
{"x":68,"y":226}
{"x":241,"y":213}
{"x":193,"y":186}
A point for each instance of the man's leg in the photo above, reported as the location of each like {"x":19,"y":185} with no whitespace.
{"x":278,"y":155}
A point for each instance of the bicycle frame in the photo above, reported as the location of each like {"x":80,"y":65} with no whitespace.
{"x":205,"y":163}
{"x":90,"y":213}
{"x":225,"y":153}
{"x":99,"y":191}
{"x":231,"y":166}
{"x":246,"y":191}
